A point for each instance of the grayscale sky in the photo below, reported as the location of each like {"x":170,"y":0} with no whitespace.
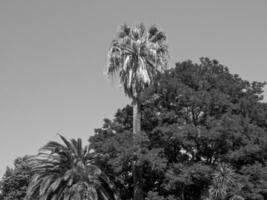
{"x":53,"y":57}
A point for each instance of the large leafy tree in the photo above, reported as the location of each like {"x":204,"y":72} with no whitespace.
{"x":15,"y":181}
{"x":198,"y":117}
{"x":66,"y":171}
{"x":135,"y":57}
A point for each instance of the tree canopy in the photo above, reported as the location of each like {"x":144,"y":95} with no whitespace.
{"x":15,"y":181}
{"x":200,"y":122}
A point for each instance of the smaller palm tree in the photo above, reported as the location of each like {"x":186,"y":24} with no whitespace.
{"x":224,"y":184}
{"x":66,"y":172}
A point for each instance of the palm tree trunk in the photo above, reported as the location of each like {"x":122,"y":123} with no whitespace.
{"x":137,"y":180}
{"x":137,"y":169}
{"x":136,"y":117}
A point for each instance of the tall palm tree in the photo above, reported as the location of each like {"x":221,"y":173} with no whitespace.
{"x":135,"y":57}
{"x":66,"y":172}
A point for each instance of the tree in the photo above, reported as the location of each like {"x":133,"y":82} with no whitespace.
{"x":196,"y":117}
{"x":136,"y":56}
{"x":66,"y":171}
{"x":16,"y":180}
{"x":224,"y":184}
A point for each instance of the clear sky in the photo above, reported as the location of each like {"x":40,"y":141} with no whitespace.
{"x":53,"y":55}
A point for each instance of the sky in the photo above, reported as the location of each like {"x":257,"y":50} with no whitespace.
{"x":53,"y":57}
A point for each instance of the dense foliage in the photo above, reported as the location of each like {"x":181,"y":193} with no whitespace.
{"x":204,"y":137}
{"x":15,"y":181}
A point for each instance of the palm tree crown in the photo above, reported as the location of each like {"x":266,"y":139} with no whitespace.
{"x":136,"y":55}
{"x":224,"y":184}
{"x":66,"y":172}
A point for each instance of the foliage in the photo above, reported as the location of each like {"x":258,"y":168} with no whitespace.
{"x":195,"y":118}
{"x":66,"y":171}
{"x":16,"y":180}
{"x":137,"y":55}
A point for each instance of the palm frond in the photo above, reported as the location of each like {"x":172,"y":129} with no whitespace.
{"x":124,"y":30}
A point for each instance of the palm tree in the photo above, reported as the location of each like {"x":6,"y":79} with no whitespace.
{"x":224,"y":184}
{"x":65,"y":172}
{"x":136,"y":56}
